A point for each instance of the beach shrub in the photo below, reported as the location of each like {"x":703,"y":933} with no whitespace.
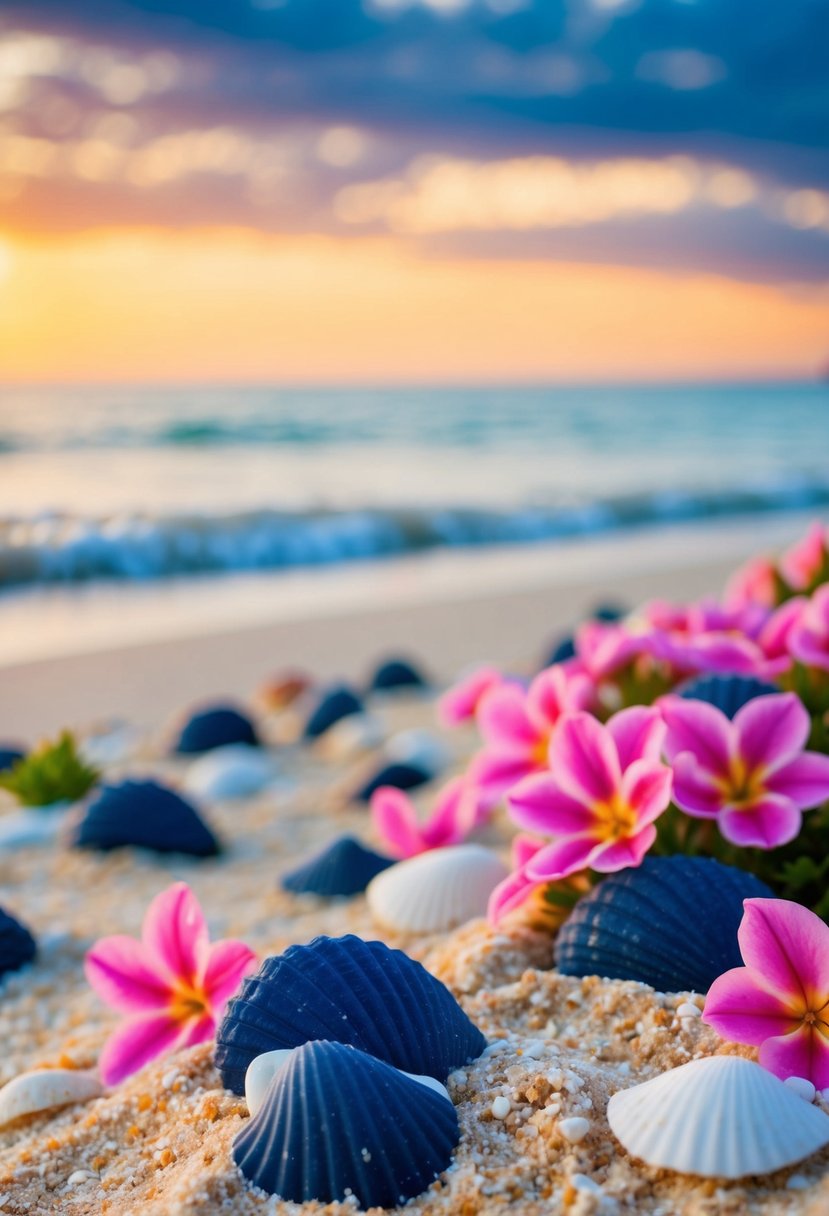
{"x":53,"y":772}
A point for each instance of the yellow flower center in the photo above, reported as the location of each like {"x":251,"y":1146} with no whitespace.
{"x":743,"y":786}
{"x":541,"y":751}
{"x":615,"y":819}
{"x":188,"y":1003}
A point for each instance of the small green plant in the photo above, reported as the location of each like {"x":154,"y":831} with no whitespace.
{"x":53,"y":772}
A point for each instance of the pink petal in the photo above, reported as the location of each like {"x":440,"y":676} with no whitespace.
{"x":118,"y":969}
{"x":741,"y":1010}
{"x":228,"y":962}
{"x":459,"y":703}
{"x":454,"y":816}
{"x":561,"y":858}
{"x":805,"y":780}
{"x":638,"y":733}
{"x":694,"y":788}
{"x":771,"y":729}
{"x":788,"y":946}
{"x":508,"y":895}
{"x":494,"y":773}
{"x":583,"y":759}
{"x":503,"y":718}
{"x":538,"y":803}
{"x":395,"y":820}
{"x":775,"y":634}
{"x":646,"y":787}
{"x":698,"y":728}
{"x":523,"y":848}
{"x":770,"y":821}
{"x":135,"y":1043}
{"x":198,"y":1030}
{"x":805,"y":1053}
{"x":802,"y":561}
{"x":554,"y":691}
{"x":810,"y":646}
{"x":620,"y":854}
{"x":174,"y":932}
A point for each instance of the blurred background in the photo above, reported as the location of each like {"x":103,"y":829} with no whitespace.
{"x":289,"y":284}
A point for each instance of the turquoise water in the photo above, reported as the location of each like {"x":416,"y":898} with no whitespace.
{"x":149,"y":483}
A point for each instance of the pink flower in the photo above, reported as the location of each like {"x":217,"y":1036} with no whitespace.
{"x":173,"y":983}
{"x":513,"y":891}
{"x":751,"y":775}
{"x":600,"y":799}
{"x":603,"y":648}
{"x":460,"y":702}
{"x":803,"y":563}
{"x":779,"y":1001}
{"x":455,"y":814}
{"x":753,"y":583}
{"x":808,"y":639}
{"x":516,"y":725}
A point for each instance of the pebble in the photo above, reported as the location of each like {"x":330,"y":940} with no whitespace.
{"x":574,"y":1129}
{"x":688,"y":1010}
{"x":582,"y":1183}
{"x":802,"y":1087}
{"x":169,"y":1079}
{"x":80,"y":1176}
{"x":501,"y":1107}
{"x":798,"y":1183}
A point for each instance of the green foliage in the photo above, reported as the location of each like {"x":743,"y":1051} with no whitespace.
{"x":53,"y":772}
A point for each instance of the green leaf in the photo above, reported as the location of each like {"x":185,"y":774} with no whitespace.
{"x":53,"y":772}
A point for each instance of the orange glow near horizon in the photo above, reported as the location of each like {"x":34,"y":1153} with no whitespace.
{"x":229,"y":304}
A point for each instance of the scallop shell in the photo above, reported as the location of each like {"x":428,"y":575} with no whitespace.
{"x":436,"y":891}
{"x":343,"y":868}
{"x":146,"y":815}
{"x":671,"y":922}
{"x":336,"y":1122}
{"x":720,"y":1117}
{"x":235,"y":771}
{"x":356,"y":992}
{"x":17,"y":946}
{"x":401,"y":776}
{"x":350,"y":736}
{"x":46,"y":1089}
{"x":394,"y":674}
{"x":728,"y":692}
{"x":560,"y":651}
{"x":9,"y":756}
{"x":215,"y":726}
{"x":334,"y":704}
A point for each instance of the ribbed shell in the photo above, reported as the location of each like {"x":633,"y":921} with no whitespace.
{"x":671,"y":922}
{"x":146,"y":815}
{"x":728,"y":692}
{"x":401,"y":776}
{"x":336,"y":1122}
{"x":436,"y":891}
{"x":396,"y":673}
{"x":351,"y":991}
{"x":343,"y":868}
{"x":334,"y":704}
{"x":232,"y":772}
{"x":720,"y":1117}
{"x":17,"y":946}
{"x":9,"y":757}
{"x":215,"y":726}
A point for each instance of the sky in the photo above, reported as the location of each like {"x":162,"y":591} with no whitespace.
{"x":413,"y":190}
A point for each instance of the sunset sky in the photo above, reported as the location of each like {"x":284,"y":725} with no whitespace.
{"x":413,"y":190}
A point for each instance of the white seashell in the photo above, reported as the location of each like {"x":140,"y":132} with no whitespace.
{"x":111,"y":744}
{"x":262,"y":1069}
{"x":235,"y":771}
{"x":720,"y":1117}
{"x":46,"y":1089}
{"x":437,"y":890}
{"x":420,"y":748}
{"x":31,"y":826}
{"x":350,"y":736}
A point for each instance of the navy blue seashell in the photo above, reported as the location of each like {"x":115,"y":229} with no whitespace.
{"x":396,"y":673}
{"x":608,"y":613}
{"x":401,"y":776}
{"x":146,"y":815}
{"x":337,"y":1122}
{"x":335,"y":704}
{"x":344,"y":867}
{"x":350,"y":991}
{"x":17,"y":946}
{"x":728,"y":692}
{"x":564,"y":649}
{"x":671,"y":922}
{"x":9,"y":756}
{"x":218,"y":726}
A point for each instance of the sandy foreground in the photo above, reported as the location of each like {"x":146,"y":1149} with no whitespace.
{"x":160,"y":1143}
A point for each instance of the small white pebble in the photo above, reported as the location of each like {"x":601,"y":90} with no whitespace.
{"x":688,"y":1010}
{"x":798,"y":1183}
{"x":582,"y":1183}
{"x":79,"y":1176}
{"x":535,"y":1049}
{"x":169,"y":1079}
{"x":501,"y":1107}
{"x":802,"y":1087}
{"x":574,"y":1129}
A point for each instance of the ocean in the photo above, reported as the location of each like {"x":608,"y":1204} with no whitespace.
{"x":137,"y":488}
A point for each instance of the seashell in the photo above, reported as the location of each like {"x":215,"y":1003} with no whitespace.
{"x":215,"y":726}
{"x":336,"y":1122}
{"x":344,"y":867}
{"x":394,"y":674}
{"x":720,"y":1117}
{"x":30,"y":826}
{"x":350,"y":736}
{"x":144,"y":814}
{"x":401,"y":776}
{"x":334,"y":704}
{"x":670,"y":922}
{"x":9,"y":756}
{"x":262,"y":1070}
{"x":17,"y":946}
{"x":360,"y":993}
{"x":283,"y":690}
{"x":437,"y":890}
{"x":225,"y":773}
{"x":728,"y":692}
{"x":560,"y":652}
{"x":421,"y":748}
{"x":608,"y":612}
{"x":46,"y":1089}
